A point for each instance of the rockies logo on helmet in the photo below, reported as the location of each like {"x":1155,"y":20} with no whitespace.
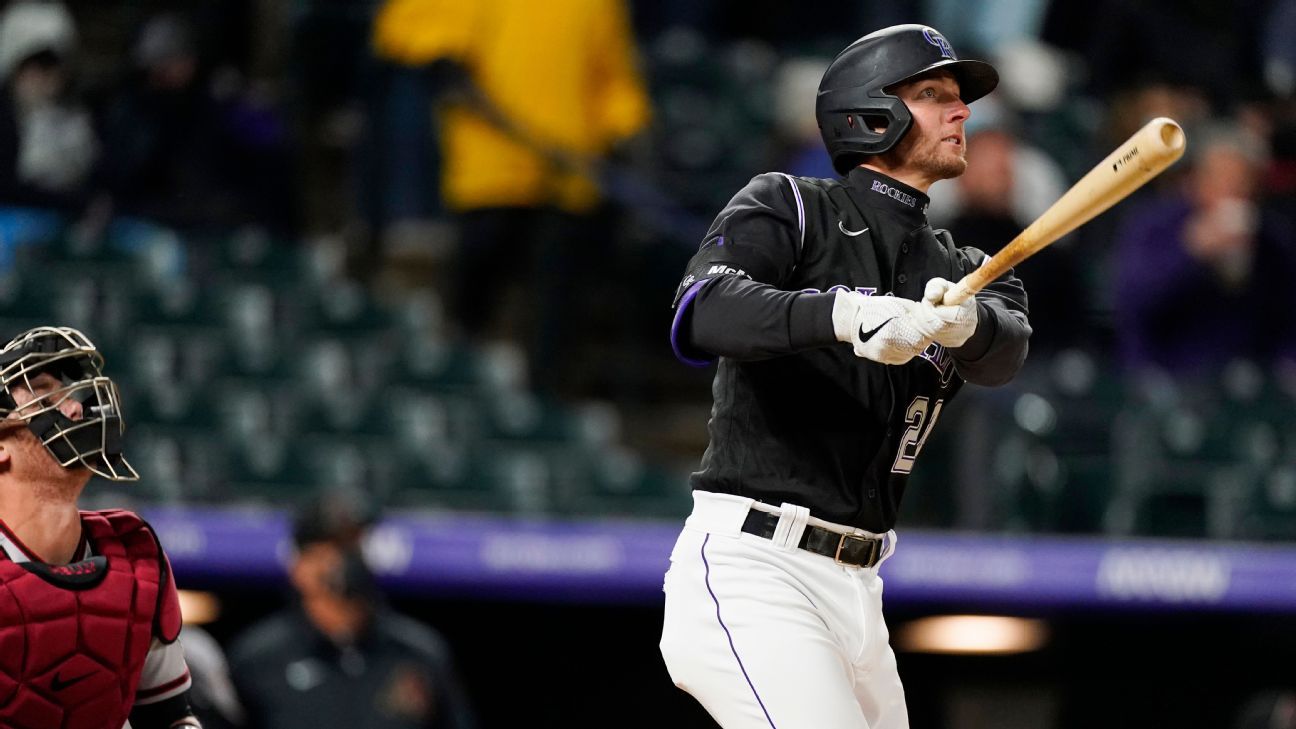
{"x":934,"y":37}
{"x":93,"y":440}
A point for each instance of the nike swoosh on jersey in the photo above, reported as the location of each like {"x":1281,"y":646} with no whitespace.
{"x":841,"y":225}
{"x":58,"y":683}
{"x":865,"y":336}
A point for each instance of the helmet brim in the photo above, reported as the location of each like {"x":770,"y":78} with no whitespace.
{"x":975,"y":78}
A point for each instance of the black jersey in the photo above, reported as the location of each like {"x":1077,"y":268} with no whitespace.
{"x":797,"y":417}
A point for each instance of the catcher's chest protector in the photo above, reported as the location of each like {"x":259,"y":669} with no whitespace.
{"x":73,"y":638}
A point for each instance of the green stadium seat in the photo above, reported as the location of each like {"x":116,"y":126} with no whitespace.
{"x":524,"y":416}
{"x":177,"y":465}
{"x":420,"y":418}
{"x":330,"y":365}
{"x":616,"y":481}
{"x":1173,"y":515}
{"x":357,"y":463}
{"x":254,"y":255}
{"x":1268,"y":509}
{"x":251,"y":408}
{"x":439,"y":365}
{"x":1051,"y":443}
{"x":269,"y":471}
{"x":25,"y":297}
{"x":454,"y":476}
{"x":170,"y":404}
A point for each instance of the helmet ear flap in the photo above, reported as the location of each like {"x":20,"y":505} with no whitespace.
{"x":850,"y":126}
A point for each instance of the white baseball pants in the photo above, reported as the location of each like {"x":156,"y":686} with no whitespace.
{"x":770,"y":636}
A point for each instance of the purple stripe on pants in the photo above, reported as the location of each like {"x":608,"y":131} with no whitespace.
{"x":720,"y":620}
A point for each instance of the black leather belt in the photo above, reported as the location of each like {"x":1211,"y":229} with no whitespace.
{"x":848,"y":549}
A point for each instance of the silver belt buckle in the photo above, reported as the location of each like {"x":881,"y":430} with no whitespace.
{"x":873,"y":553}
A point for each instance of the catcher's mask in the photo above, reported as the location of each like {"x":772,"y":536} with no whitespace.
{"x":95,"y":439}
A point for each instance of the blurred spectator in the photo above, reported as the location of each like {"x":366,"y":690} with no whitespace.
{"x":1202,"y":274}
{"x":1208,"y":45}
{"x":338,"y":102}
{"x":796,"y":84}
{"x":1131,"y":107}
{"x":545,"y":91}
{"x":793,"y":25}
{"x":340,"y":658}
{"x":1008,"y":184}
{"x":989,"y":25}
{"x":190,"y":148}
{"x":1278,"y":46}
{"x":47,"y":140}
{"x":1279,"y":110}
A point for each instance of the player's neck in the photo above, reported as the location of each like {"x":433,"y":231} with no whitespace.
{"x":50,"y":530}
{"x":914,"y":178}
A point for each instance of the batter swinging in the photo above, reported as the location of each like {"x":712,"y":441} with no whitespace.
{"x":821,"y":299}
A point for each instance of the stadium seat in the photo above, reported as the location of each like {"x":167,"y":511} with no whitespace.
{"x":178,"y":465}
{"x":1271,"y":508}
{"x":470,"y":477}
{"x":269,"y":471}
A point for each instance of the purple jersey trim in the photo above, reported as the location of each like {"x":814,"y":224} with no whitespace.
{"x":675,"y":325}
{"x":801,"y":216}
{"x":707,"y":566}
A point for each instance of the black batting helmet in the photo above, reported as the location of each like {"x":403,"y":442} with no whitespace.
{"x":93,"y":441}
{"x":852,"y":97}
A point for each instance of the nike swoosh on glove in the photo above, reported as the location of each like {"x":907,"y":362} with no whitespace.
{"x":957,"y":323}
{"x":884,"y":329}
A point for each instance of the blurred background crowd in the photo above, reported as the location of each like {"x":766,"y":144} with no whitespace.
{"x":424,"y":250}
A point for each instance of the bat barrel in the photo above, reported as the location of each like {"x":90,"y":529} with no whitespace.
{"x":1149,"y":151}
{"x":1146,"y":154}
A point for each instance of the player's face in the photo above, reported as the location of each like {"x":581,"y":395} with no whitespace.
{"x":935,"y":148}
{"x":27,"y":457}
{"x":40,"y":388}
{"x":315,"y":570}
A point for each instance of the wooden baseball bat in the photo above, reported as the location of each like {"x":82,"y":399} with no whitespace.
{"x":1143,"y":156}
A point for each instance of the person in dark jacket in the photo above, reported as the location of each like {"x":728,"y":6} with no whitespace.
{"x":48,"y":145}
{"x":339,"y":657}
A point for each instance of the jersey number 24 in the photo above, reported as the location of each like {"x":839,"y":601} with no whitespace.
{"x":920,"y":426}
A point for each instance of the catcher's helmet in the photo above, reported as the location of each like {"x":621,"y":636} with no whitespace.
{"x":852,"y":97}
{"x":94,"y":440}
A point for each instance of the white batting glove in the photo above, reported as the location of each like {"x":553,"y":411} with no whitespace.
{"x":884,"y":329}
{"x":957,"y":323}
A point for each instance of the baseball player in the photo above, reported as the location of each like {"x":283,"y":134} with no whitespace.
{"x":821,"y":300}
{"x":89,"y":614}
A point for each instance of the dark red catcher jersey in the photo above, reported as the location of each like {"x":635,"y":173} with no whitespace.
{"x":73,"y":638}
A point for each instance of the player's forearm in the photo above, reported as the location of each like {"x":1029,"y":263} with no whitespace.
{"x":744,"y":319}
{"x":997,"y":349}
